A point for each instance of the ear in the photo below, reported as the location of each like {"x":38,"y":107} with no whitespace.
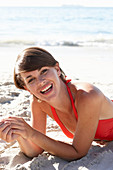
{"x":58,"y":69}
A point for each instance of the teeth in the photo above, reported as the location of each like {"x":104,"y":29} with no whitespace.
{"x":44,"y":90}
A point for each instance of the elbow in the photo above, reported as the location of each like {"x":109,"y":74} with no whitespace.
{"x":81,"y":155}
{"x":77,"y":155}
{"x":32,"y":153}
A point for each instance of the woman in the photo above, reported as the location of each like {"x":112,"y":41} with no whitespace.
{"x":81,"y":110}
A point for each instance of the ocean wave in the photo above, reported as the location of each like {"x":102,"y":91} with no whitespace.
{"x":15,"y":42}
{"x":77,"y":42}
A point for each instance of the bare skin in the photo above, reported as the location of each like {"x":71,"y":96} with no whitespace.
{"x":45,"y":84}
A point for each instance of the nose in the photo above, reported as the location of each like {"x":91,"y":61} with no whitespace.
{"x":41,"y":82}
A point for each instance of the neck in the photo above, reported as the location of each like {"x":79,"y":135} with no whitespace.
{"x":62,"y":101}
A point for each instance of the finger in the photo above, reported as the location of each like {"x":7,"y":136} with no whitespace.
{"x":19,"y":132}
{"x":3,"y":126}
{"x":20,"y":122}
{"x":15,"y":124}
{"x":3,"y":119}
{"x":15,"y":118}
{"x":1,"y":123}
{"x":9,"y":136}
{"x":5,"y":132}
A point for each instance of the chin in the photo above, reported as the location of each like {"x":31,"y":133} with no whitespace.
{"x":51,"y":98}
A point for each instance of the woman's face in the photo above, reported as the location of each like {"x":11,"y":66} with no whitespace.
{"x":43,"y":83}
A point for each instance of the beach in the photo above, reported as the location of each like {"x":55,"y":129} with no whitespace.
{"x":91,"y":64}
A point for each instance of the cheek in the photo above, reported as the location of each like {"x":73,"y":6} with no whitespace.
{"x":54,"y":74}
{"x":30,"y":88}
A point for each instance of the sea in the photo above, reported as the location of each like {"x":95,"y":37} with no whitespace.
{"x":56,"y":26}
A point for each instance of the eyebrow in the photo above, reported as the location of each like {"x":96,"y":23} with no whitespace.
{"x":28,"y":76}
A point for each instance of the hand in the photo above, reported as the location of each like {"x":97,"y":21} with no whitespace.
{"x":6,"y":132}
{"x":18,"y":126}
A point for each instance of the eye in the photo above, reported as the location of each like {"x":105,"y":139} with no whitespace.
{"x":31,"y":80}
{"x":44,"y":71}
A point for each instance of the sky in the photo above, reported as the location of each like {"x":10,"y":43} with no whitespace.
{"x":95,"y":3}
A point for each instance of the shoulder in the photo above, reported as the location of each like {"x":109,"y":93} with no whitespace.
{"x":36,"y":107}
{"x":34,"y":101}
{"x":86,"y":90}
{"x":88,"y":98}
{"x":39,"y":107}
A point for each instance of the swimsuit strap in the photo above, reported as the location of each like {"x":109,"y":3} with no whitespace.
{"x":71,"y":97}
{"x":66,"y":132}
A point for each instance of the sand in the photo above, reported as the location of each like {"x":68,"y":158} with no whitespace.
{"x":92,"y":64}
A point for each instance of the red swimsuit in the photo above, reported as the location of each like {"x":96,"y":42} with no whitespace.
{"x":104,"y":129}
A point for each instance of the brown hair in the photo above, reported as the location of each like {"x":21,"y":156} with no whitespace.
{"x":32,"y":59}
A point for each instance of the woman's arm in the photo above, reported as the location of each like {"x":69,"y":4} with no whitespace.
{"x":89,"y":109}
{"x":38,"y":119}
{"x":27,"y":146}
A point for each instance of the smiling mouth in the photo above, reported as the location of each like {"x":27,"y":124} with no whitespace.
{"x":47,"y":89}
